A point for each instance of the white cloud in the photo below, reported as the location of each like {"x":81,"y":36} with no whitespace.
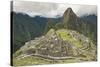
{"x":51,"y":9}
{"x":87,"y":10}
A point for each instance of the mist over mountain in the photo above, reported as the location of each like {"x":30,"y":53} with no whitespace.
{"x":52,"y":9}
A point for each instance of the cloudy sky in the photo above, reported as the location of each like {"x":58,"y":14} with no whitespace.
{"x":51,"y":9}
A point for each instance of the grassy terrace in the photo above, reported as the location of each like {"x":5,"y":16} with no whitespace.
{"x":34,"y":60}
{"x":30,"y":61}
{"x":67,"y":37}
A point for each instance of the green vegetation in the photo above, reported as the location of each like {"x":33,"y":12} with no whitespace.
{"x":67,"y":37}
{"x":30,"y":61}
{"x":33,"y":60}
{"x":17,"y":53}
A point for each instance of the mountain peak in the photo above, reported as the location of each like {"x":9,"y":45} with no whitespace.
{"x":69,"y":9}
{"x":69,"y":16}
{"x":69,"y":13}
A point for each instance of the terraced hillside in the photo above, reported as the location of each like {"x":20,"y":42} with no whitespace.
{"x":57,"y":46}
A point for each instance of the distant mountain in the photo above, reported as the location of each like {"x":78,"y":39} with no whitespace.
{"x":90,"y":18}
{"x":26,"y":28}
